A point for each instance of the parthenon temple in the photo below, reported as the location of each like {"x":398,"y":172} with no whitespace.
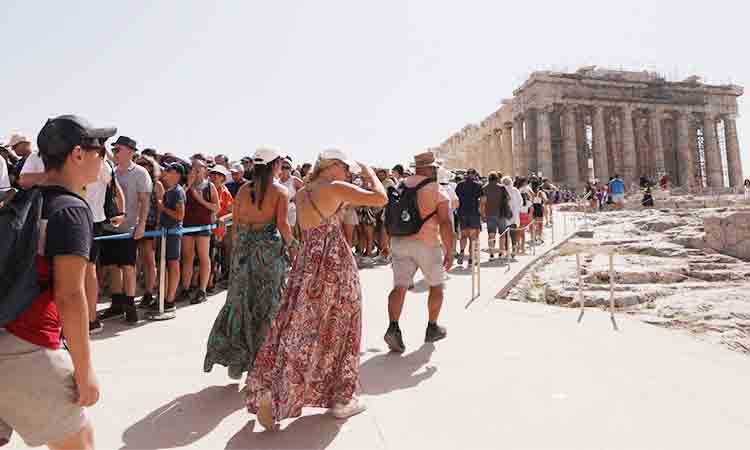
{"x":595,"y":123}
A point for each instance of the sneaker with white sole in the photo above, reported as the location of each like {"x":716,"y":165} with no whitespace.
{"x":354,"y":407}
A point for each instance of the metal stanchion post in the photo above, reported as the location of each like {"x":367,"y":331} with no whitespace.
{"x":161,"y":315}
{"x":612,"y":290}
{"x":552,"y":222}
{"x":580,"y":286}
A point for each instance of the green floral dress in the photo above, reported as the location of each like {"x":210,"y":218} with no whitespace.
{"x":257,"y":282}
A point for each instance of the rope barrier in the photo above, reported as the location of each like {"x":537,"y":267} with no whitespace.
{"x":169,"y":231}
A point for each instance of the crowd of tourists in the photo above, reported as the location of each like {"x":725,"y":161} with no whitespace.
{"x":286,"y":239}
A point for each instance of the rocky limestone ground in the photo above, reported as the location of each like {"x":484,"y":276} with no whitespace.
{"x":663,"y":274}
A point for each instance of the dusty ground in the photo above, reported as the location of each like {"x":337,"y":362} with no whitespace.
{"x":663,"y":276}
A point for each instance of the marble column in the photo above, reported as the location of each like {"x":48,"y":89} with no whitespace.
{"x":657,"y":147}
{"x":685,"y":160}
{"x":544,"y":143}
{"x":570,"y":149}
{"x":509,"y":155}
{"x":711,"y":148}
{"x":519,"y":155}
{"x":628,"y":148}
{"x":734,"y":159}
{"x":601,"y":163}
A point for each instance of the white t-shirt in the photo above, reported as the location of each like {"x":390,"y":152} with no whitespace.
{"x":33,"y":164}
{"x":96,"y":192}
{"x":4,"y":177}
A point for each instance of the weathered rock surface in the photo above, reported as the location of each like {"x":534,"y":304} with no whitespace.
{"x":729,"y":233}
{"x":662,"y":272}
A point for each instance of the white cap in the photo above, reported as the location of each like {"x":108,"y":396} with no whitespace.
{"x":17,"y":138}
{"x":334,"y":153}
{"x":220,"y":170}
{"x":237,"y":167}
{"x":265,"y":155}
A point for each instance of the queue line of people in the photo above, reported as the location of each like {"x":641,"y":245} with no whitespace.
{"x":291,"y":321}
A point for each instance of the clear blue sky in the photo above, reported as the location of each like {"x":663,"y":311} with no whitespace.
{"x":382,"y":80}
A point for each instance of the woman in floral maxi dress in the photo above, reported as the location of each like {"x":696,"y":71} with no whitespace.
{"x":258,"y":270}
{"x":311,"y":356}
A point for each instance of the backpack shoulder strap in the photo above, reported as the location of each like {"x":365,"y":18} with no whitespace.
{"x":424,"y":183}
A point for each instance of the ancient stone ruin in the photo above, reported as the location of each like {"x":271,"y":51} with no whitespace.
{"x":572,"y":127}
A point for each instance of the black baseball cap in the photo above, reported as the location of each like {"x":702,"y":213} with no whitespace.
{"x":127,"y":142}
{"x":63,"y":133}
{"x":176,"y":167}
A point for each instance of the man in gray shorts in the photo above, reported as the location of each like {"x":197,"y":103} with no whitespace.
{"x":429,"y":250}
{"x":45,"y":388}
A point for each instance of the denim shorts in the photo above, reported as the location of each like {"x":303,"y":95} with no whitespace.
{"x":174,"y":245}
{"x":496,"y":225}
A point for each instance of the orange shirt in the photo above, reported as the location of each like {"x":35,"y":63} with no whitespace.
{"x":225,"y":201}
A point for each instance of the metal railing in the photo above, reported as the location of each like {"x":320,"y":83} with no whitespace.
{"x":163,"y":233}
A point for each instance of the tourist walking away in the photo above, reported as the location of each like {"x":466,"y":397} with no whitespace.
{"x":258,"y":270}
{"x":469,"y":191}
{"x":119,"y":255}
{"x":201,"y":207}
{"x":515,"y":207}
{"x":537,"y":205}
{"x":171,"y":213}
{"x":495,"y":208}
{"x":146,"y":249}
{"x":549,"y":190}
{"x":617,"y":191}
{"x":311,"y":355}
{"x":747,"y":188}
{"x":419,"y":223}
{"x":46,"y":389}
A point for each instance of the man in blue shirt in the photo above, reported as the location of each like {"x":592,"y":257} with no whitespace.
{"x":617,"y":191}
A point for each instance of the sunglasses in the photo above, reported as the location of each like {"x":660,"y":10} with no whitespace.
{"x":94,"y":145}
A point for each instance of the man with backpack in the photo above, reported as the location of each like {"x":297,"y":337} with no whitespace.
{"x":45,"y":388}
{"x":418,"y":221}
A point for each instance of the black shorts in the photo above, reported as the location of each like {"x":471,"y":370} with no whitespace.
{"x":470,"y":222}
{"x":119,"y":252}
{"x":538,"y":210}
{"x":96,"y":246}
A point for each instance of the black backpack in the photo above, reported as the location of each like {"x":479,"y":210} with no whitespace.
{"x":20,"y":230}
{"x":402,"y":216}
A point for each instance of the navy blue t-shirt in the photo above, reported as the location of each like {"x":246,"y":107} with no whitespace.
{"x":468,"y":192}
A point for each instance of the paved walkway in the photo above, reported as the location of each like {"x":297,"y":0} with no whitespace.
{"x":509,"y":375}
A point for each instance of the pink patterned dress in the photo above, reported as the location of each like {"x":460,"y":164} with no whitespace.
{"x":311,"y":355}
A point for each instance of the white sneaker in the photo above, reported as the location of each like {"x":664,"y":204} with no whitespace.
{"x":354,"y":407}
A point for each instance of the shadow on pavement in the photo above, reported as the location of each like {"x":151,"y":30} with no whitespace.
{"x":308,"y":432}
{"x":184,"y":420}
{"x":392,"y":372}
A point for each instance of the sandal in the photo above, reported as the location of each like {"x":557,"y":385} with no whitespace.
{"x":265,"y":415}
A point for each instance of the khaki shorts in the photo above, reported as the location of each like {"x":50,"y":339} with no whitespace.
{"x":412,"y":254}
{"x":37,"y":393}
